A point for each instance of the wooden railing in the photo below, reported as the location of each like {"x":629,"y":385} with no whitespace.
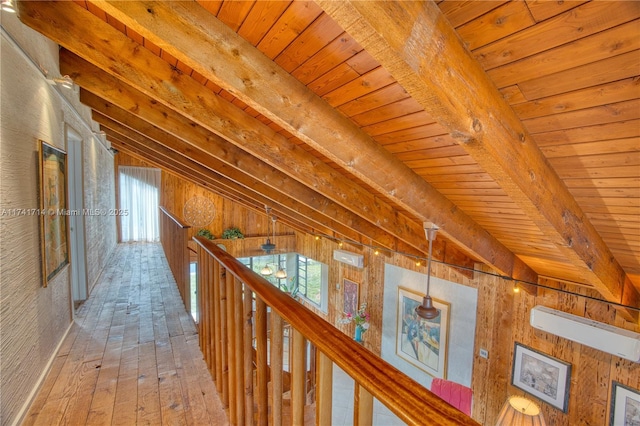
{"x":228,"y":323}
{"x":174,"y":238}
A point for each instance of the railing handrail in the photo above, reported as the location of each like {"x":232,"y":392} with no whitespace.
{"x":175,"y":219}
{"x":409,"y":400}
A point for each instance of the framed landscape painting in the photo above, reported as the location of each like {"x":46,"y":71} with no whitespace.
{"x":422,"y":342}
{"x":53,"y":211}
{"x":350,"y":290}
{"x":542,"y":376}
{"x":625,"y":405}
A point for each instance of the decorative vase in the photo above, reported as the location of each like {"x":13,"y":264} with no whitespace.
{"x":358,"y":335}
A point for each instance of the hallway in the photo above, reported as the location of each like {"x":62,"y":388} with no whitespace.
{"x":132,"y":355}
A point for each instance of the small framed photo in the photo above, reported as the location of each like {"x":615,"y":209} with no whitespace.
{"x":542,"y":376}
{"x":350,"y":296}
{"x":625,"y":405}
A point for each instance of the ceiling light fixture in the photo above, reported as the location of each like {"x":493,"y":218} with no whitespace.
{"x":427,"y":310}
{"x":8,"y":6}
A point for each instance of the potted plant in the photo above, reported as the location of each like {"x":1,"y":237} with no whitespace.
{"x":232,"y":233}
{"x":206,"y":233}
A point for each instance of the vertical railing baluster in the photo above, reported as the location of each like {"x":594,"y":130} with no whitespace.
{"x":232,"y":380}
{"x":324,"y":393}
{"x":275,"y":362}
{"x":363,"y":406}
{"x":262,"y":373}
{"x":239,"y":352}
{"x":298,"y":376}
{"x":248,"y":353}
{"x":218,"y":335}
{"x":221,"y":320}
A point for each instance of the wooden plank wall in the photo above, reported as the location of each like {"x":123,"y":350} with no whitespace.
{"x":502,"y":319}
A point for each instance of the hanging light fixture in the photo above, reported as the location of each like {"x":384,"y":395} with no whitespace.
{"x":281,"y":273}
{"x":266,"y":271}
{"x":427,"y":310}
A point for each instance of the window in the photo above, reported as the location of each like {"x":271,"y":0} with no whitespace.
{"x":139,"y":198}
{"x":313,"y":281}
{"x":311,"y":276}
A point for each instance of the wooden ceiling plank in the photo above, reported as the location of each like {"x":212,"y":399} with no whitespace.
{"x":298,"y":16}
{"x":544,"y":9}
{"x":430,"y":146}
{"x":603,"y":94}
{"x":359,"y":87}
{"x":579,"y":22}
{"x":510,"y":18}
{"x":432,"y":205}
{"x":335,"y":53}
{"x":593,"y":148}
{"x":621,"y":39}
{"x":588,"y":133}
{"x":460,"y":12}
{"x":611,"y":113}
{"x":260,"y":19}
{"x":387,"y":112}
{"x":612,"y":69}
{"x":384,"y":96}
{"x":321,"y":32}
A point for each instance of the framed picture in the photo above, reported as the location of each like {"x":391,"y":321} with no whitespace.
{"x":625,"y":405}
{"x":53,"y":211}
{"x":422,"y":342}
{"x":542,"y":376}
{"x":350,"y":294}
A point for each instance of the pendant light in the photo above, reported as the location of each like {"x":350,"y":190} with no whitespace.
{"x":266,"y":271}
{"x":281,"y":274}
{"x":427,"y":310}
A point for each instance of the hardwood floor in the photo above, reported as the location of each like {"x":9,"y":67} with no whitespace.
{"x":132,"y":356}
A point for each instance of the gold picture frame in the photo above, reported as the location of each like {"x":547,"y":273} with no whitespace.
{"x":54,"y":213}
{"x":423,"y":343}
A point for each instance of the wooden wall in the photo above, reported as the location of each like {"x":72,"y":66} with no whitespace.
{"x":502,"y":319}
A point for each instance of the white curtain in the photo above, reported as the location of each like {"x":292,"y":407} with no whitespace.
{"x":139,"y":196}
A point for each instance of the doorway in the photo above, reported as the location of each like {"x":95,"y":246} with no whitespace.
{"x":79,"y":288}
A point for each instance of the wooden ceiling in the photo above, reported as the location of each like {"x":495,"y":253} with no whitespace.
{"x":514,"y":126}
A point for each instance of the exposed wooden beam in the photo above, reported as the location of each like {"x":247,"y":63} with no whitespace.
{"x":191,"y":34}
{"x":418,"y":46}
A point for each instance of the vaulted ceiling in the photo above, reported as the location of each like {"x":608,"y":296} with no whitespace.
{"x":514,"y":126}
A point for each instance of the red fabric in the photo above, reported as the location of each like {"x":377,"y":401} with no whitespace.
{"x":454,"y":393}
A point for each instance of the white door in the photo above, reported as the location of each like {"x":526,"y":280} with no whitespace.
{"x":76,"y":219}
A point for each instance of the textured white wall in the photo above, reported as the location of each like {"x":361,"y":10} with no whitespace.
{"x":462,"y":323}
{"x":33,"y":319}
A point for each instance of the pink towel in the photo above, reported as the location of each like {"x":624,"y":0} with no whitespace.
{"x":454,"y":393}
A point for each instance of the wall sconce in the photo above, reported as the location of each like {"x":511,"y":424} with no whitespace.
{"x":520,"y":411}
{"x":64,"y":81}
{"x":427,"y":310}
{"x":8,"y":6}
